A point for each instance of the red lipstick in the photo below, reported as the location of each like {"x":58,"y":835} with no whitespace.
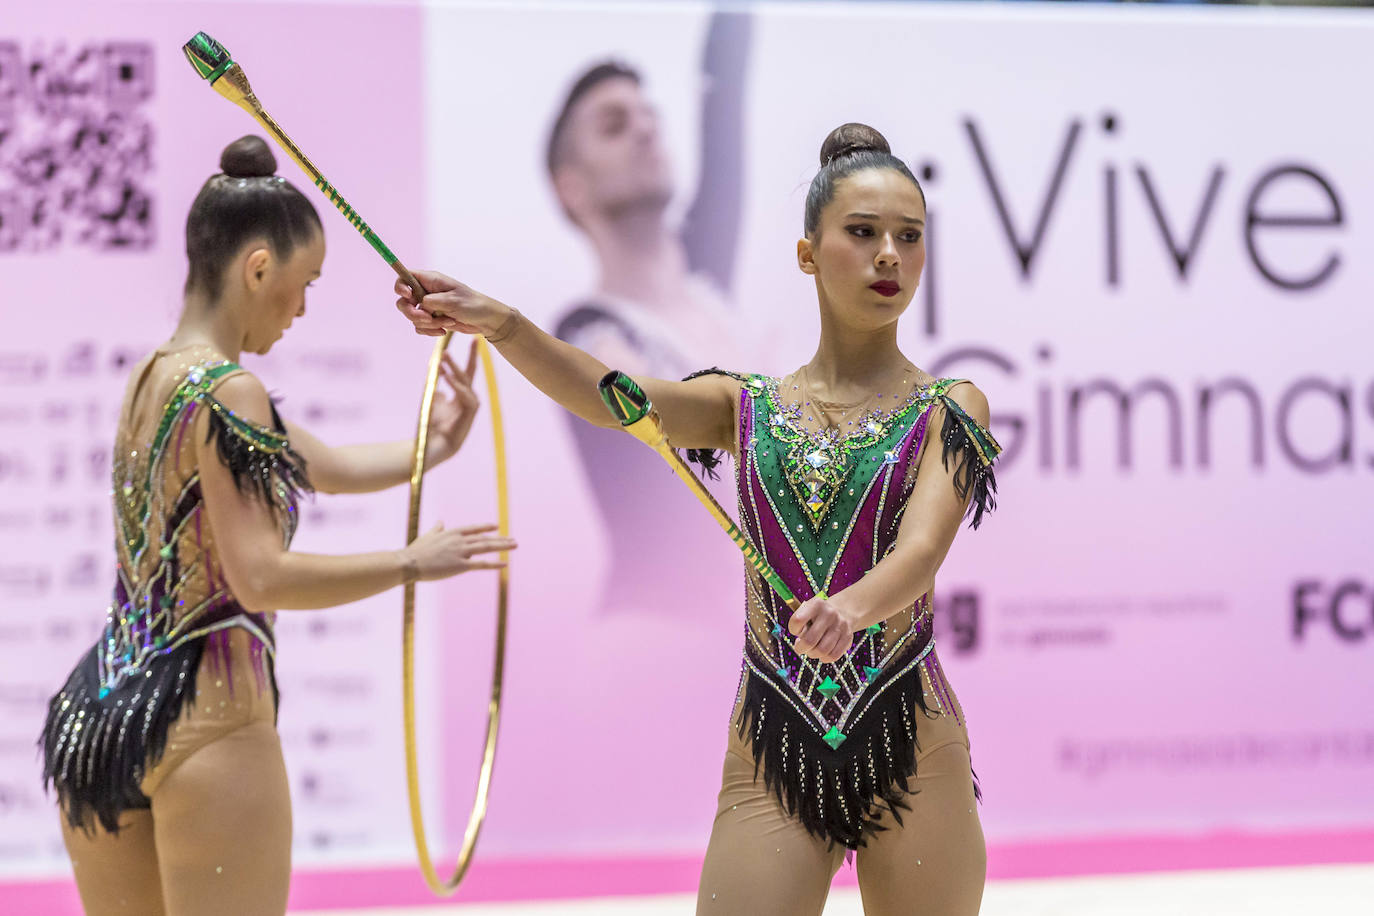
{"x":885,"y":288}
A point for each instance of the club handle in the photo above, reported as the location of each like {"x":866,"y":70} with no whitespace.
{"x":408,"y":279}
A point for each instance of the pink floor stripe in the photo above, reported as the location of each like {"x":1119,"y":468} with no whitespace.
{"x":545,"y":879}
{"x":1118,"y":855}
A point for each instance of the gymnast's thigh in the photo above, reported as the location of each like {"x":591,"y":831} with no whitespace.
{"x":221,"y":801}
{"x":223,"y":822}
{"x":760,"y":861}
{"x":116,"y":873}
{"x":934,"y":862}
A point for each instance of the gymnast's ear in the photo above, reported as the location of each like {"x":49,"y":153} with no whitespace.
{"x":256,"y":262}
{"x":806,"y":256}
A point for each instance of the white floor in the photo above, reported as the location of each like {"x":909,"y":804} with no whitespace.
{"x":1328,"y":890}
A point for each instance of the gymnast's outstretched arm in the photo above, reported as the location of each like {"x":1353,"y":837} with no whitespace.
{"x":696,"y":414}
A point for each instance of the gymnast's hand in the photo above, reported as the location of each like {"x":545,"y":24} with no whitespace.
{"x":442,"y":552}
{"x":823,"y":630}
{"x":448,"y":305}
{"x":451,"y":417}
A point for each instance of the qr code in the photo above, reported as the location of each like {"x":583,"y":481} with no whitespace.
{"x":76,"y":146}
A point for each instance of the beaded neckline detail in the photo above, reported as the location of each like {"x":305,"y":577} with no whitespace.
{"x":817,"y":463}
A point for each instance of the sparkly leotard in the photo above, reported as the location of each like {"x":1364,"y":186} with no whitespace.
{"x":836,"y":742}
{"x":171,"y":601}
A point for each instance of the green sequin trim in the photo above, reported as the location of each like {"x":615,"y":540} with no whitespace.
{"x":815,"y":482}
{"x":197,"y":385}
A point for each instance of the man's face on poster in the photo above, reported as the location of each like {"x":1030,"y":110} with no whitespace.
{"x":615,"y":163}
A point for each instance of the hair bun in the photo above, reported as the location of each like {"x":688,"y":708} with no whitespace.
{"x":248,"y":157}
{"x":851,"y":138}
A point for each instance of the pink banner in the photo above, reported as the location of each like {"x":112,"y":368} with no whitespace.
{"x":108,"y":136}
{"x":1145,"y":247}
{"x":1165,"y":627}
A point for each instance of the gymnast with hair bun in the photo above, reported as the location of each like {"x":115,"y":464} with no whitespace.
{"x":162,"y":745}
{"x":854,"y":473}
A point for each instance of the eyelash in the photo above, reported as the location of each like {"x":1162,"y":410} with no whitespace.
{"x":859,"y":230}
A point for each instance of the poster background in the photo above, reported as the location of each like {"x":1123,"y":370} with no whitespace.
{"x":1132,"y":665}
{"x":75,"y":316}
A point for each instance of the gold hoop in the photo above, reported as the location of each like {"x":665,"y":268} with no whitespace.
{"x":417,"y":471}
{"x":213,"y":63}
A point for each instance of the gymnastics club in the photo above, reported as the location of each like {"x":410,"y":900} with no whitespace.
{"x":226,"y":77}
{"x":629,"y":404}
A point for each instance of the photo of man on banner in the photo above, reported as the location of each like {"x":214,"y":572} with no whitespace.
{"x":661,"y":304}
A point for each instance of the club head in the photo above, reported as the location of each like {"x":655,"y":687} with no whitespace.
{"x":208,"y":56}
{"x":626,"y":401}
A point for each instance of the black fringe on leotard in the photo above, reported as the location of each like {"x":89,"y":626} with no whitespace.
{"x":96,"y":749}
{"x":965,"y":443}
{"x":257,"y":473}
{"x":709,"y":458}
{"x":840,"y":795}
